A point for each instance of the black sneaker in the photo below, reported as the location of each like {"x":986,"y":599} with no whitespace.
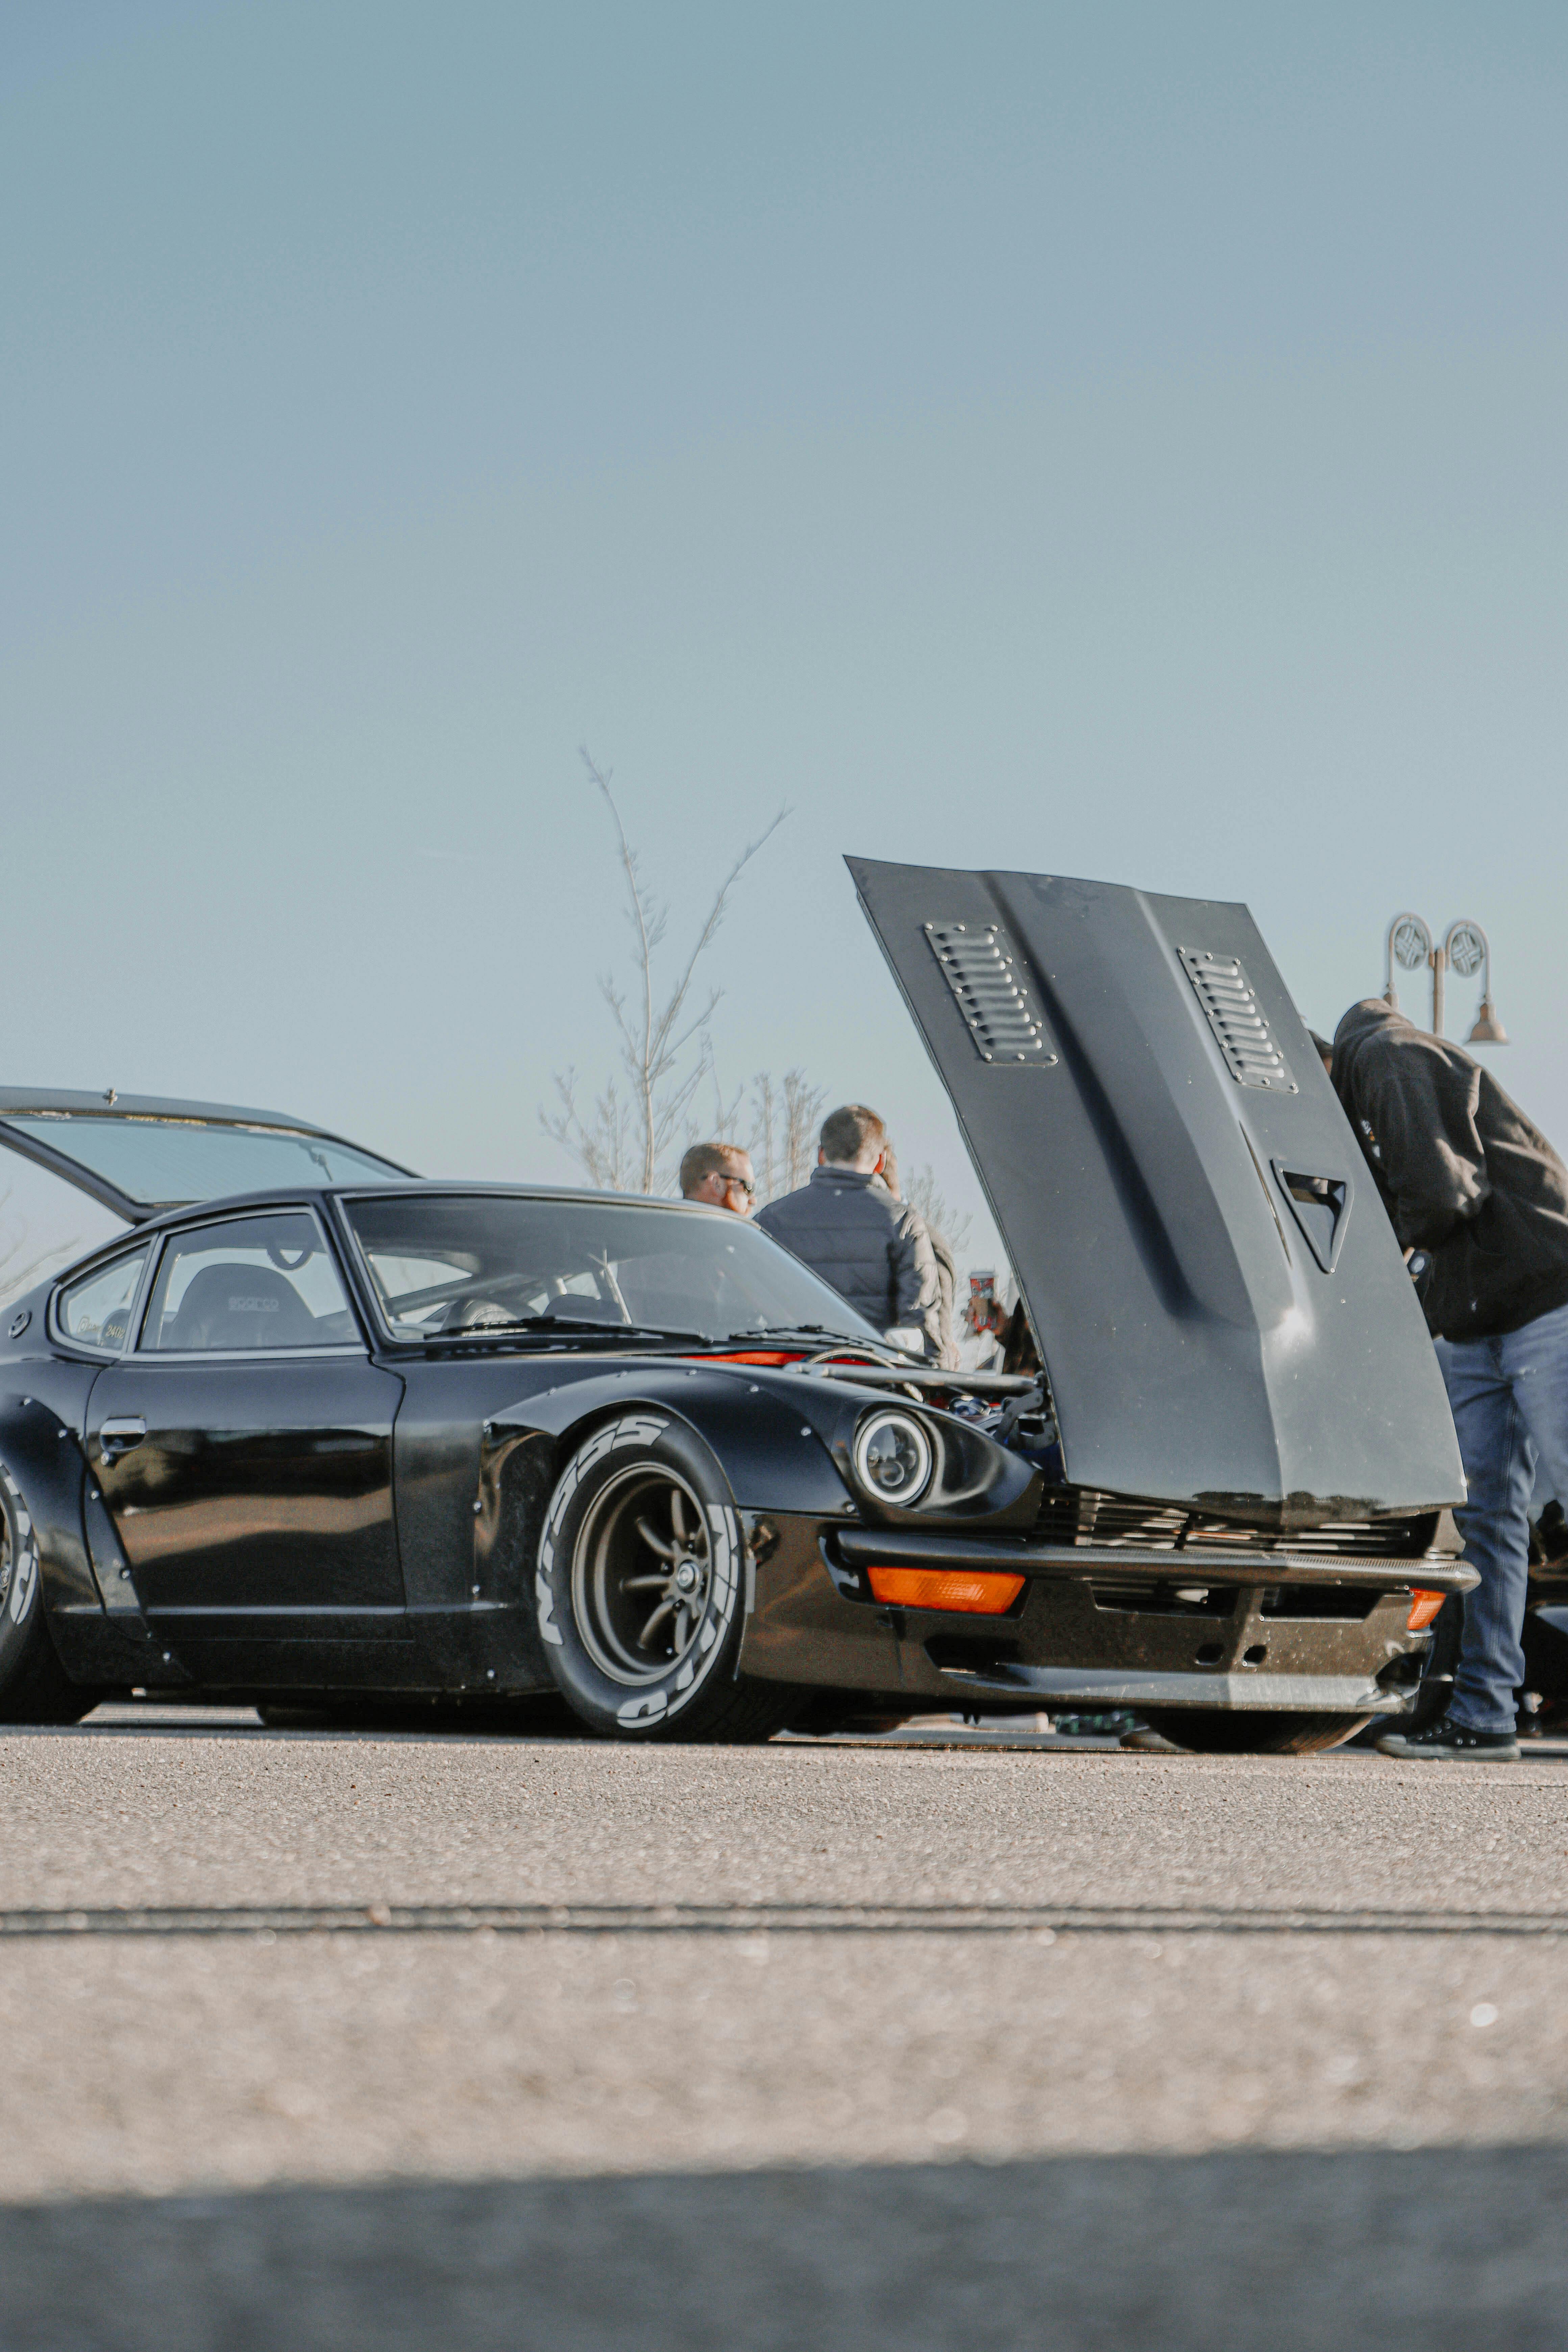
{"x":1451,"y":1743}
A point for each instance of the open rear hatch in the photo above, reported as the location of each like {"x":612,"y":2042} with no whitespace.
{"x":1223,"y":1312}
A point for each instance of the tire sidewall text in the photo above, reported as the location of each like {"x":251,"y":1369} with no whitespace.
{"x":653,"y":1435}
{"x":19,"y":1601}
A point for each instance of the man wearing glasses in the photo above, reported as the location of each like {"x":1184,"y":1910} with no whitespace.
{"x":721,"y":1174}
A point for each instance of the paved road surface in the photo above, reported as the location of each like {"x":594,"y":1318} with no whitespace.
{"x":312,"y":2040}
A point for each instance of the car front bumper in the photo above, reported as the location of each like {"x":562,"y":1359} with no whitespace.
{"x":1099,"y":1627}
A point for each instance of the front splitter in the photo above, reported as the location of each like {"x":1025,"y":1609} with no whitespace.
{"x":1103,"y":1688}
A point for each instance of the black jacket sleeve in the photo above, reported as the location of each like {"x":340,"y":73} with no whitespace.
{"x":1422,"y":1110}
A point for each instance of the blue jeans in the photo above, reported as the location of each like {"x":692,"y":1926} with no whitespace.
{"x":1510,"y":1401}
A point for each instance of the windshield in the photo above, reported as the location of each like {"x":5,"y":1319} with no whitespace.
{"x":471,"y":1262}
{"x":162,"y":1161}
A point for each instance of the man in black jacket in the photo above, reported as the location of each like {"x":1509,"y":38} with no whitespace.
{"x":1475,"y":1190}
{"x":872,"y":1247}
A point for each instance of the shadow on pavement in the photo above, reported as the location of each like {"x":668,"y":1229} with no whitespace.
{"x":1452,"y":2251}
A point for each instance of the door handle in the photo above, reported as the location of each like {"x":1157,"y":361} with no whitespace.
{"x":120,"y":1433}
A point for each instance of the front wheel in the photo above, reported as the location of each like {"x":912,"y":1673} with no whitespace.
{"x":639,"y":1588}
{"x":1265,"y":1732}
{"x":34,"y":1686}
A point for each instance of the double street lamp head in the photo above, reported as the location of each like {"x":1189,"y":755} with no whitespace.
{"x":1465,"y":949}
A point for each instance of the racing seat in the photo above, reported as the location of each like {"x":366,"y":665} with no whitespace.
{"x":240,"y":1307}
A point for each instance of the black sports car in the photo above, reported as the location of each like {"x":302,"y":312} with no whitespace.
{"x":369,"y":1438}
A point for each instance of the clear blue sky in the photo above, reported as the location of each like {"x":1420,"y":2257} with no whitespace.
{"x":1121,"y":440}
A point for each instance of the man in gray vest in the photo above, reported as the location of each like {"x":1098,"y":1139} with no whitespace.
{"x":873,"y":1248}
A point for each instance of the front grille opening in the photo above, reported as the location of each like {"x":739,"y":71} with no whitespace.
{"x":1338,"y":1602}
{"x":1079,"y":1514}
{"x":1165,"y":1600}
{"x":1083,"y":1517}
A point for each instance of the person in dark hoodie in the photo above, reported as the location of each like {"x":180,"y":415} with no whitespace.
{"x":1479,"y":1201}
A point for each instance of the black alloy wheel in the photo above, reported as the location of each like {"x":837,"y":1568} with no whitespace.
{"x":34,"y":1686}
{"x":642,"y":1573}
{"x":640,"y":1590}
{"x":1244,"y":1731}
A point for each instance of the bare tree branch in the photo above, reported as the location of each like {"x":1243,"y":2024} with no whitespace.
{"x":657,"y":1034}
{"x":802,"y":1117}
{"x":923,"y":1192}
{"x":785,"y":1120}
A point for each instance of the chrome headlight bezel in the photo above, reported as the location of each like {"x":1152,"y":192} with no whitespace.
{"x":926,"y":1446}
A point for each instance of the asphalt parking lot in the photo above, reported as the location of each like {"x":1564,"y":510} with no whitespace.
{"x":319,"y":2039}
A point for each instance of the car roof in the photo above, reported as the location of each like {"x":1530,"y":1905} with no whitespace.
{"x":427,"y":1187}
{"x":282,"y":1197}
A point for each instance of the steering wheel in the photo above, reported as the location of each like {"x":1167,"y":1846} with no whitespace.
{"x":472,"y":1314}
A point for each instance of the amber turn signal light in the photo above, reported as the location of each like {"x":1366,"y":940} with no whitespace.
{"x":982,"y":1594}
{"x":1424,"y":1607}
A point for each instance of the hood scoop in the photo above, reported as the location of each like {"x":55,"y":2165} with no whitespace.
{"x":1321,"y":1207}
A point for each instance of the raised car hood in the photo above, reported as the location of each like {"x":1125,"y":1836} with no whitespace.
{"x":1224,"y":1315}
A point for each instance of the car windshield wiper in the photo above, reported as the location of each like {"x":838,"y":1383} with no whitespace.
{"x":549,"y":1323}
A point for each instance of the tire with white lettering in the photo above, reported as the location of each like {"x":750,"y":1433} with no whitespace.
{"x":640,"y":1589}
{"x":33,"y":1687}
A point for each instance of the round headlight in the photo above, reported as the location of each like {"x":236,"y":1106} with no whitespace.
{"x":893,"y":1458}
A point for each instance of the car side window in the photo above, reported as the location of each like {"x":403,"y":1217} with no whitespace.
{"x":95,"y":1311}
{"x":245,"y":1283}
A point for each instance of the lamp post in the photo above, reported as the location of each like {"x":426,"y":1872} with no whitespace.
{"x":1465,"y":949}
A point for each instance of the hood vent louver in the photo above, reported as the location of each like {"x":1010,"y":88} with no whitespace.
{"x":1088,"y":1520}
{"x":1240,"y":1031}
{"x":987,"y":975}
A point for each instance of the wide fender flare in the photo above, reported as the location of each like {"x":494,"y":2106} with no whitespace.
{"x":42,"y":1454}
{"x":777,"y":1453}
